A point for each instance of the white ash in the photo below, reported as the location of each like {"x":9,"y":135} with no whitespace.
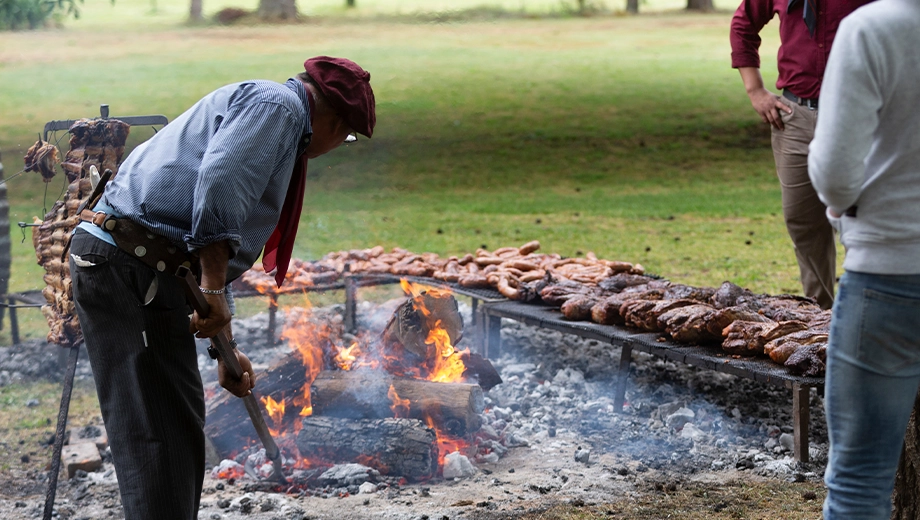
{"x":344,"y":475}
{"x":38,"y":359}
{"x":457,"y":466}
{"x":556,"y":382}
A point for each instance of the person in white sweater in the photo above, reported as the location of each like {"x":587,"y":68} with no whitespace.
{"x":864,"y":163}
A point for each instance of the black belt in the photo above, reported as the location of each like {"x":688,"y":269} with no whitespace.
{"x":811,"y":104}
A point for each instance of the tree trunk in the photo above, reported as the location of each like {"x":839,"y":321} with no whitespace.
{"x":278,"y":10}
{"x":906,"y":495}
{"x":397,"y":447}
{"x":700,"y":5}
{"x":632,"y":6}
{"x":349,"y":3}
{"x":194,"y":11}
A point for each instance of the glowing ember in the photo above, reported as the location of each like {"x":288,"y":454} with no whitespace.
{"x":228,"y":469}
{"x":346,"y":358}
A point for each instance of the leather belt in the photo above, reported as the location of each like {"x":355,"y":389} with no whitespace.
{"x":150,"y":248}
{"x":810,"y":103}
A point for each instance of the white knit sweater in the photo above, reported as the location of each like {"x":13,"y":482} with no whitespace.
{"x":866,"y":150}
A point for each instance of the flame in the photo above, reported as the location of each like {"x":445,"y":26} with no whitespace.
{"x":275,"y":410}
{"x":416,"y":290}
{"x":447,"y":366}
{"x":308,"y":339}
{"x":400,"y":406}
{"x":316,"y":342}
{"x":447,"y":443}
{"x":347,"y":357}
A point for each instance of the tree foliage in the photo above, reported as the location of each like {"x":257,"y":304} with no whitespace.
{"x":32,"y":14}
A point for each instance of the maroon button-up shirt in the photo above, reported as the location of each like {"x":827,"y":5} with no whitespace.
{"x":801,"y":59}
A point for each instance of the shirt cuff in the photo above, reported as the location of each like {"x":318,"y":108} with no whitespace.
{"x":233,"y":240}
{"x":745,"y":59}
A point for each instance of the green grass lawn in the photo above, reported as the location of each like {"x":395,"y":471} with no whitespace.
{"x":627,"y":136}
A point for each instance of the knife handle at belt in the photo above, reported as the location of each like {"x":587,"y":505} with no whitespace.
{"x":200,"y":305}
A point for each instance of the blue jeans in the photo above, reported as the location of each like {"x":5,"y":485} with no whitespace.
{"x":873,"y":371}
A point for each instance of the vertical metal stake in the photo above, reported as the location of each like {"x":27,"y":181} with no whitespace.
{"x":622,"y":375}
{"x":801,"y":415}
{"x":351,"y":305}
{"x":59,"y":433}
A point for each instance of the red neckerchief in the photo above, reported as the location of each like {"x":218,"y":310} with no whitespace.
{"x":280,"y":244}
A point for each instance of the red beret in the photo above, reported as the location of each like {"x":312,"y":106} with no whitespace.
{"x":347,"y":87}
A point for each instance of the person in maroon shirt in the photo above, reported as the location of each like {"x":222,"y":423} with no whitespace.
{"x":806,"y":32}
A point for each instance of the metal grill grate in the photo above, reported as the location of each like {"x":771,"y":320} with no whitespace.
{"x":709,"y":357}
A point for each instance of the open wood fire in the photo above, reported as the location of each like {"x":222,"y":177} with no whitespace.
{"x":397,"y":402}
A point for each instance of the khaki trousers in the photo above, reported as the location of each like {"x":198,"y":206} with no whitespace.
{"x":812,"y":235}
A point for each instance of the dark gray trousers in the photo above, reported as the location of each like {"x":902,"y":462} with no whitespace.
{"x":146,"y":372}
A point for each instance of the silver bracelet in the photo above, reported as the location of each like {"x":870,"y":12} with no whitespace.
{"x":212,"y":291}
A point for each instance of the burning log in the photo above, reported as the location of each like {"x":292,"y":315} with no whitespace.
{"x":454,"y":407}
{"x":397,"y":447}
{"x":411,"y":325}
{"x":225,"y":423}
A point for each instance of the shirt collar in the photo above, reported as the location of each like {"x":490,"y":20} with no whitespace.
{"x":298,"y":88}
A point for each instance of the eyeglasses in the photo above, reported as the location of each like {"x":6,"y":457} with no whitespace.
{"x":350,"y":138}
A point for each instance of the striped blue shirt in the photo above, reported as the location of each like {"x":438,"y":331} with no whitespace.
{"x":219,"y":171}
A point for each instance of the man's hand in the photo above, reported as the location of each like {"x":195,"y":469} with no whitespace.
{"x":239,"y":387}
{"x":218,"y":317}
{"x":768,"y":105}
{"x":214,"y":258}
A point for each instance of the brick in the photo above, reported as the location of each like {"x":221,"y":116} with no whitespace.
{"x":84,"y":455}
{"x":95,"y":434}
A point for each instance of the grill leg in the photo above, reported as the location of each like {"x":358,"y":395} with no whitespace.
{"x":492,"y":332}
{"x":622,"y":375}
{"x":801,"y":415}
{"x":272,"y":319}
{"x":351,"y":305}
{"x":14,"y":322}
{"x":474,"y":320}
